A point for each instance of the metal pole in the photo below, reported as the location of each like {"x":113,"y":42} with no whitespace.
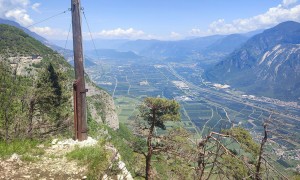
{"x":80,"y":100}
{"x":75,"y":110}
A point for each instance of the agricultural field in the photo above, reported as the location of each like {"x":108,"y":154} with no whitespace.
{"x":204,"y":107}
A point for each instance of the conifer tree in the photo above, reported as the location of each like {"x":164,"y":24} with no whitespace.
{"x":156,"y":111}
{"x":50,"y":99}
{"x":10,"y":106}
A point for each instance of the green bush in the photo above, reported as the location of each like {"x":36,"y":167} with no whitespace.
{"x":20,"y":147}
{"x":126,"y":143}
{"x":95,"y":157}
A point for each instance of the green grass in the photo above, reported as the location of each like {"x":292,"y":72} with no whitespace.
{"x":95,"y":157}
{"x":29,"y":158}
{"x":93,"y":126}
{"x":123,"y":140}
{"x":20,"y":147}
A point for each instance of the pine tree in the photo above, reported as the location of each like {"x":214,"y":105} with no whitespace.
{"x":156,"y":111}
{"x":11,"y":91}
{"x":50,"y":99}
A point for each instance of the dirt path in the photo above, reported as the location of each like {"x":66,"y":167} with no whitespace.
{"x":51,"y":165}
{"x":45,"y":168}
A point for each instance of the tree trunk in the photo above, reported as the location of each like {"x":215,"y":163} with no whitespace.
{"x":30,"y":117}
{"x":17,"y":128}
{"x":6,"y":125}
{"x":264,"y":140}
{"x":201,"y":165}
{"x":150,"y":148}
{"x":201,"y":156}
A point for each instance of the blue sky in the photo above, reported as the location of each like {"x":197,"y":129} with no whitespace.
{"x":152,"y":19}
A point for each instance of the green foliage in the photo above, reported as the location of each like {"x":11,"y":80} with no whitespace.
{"x":21,"y":147}
{"x":29,"y":158}
{"x":159,"y":110}
{"x":27,"y":103}
{"x":177,"y":156}
{"x":126,"y":142}
{"x":99,"y":105}
{"x":156,"y":111}
{"x":234,"y":167}
{"x":176,"y":168}
{"x":296,"y":176}
{"x":50,"y":99}
{"x":93,"y":126}
{"x":95,"y":157}
{"x":244,"y":137}
{"x":12,"y":89}
{"x":15,"y":42}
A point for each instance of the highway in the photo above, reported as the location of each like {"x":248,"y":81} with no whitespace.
{"x":227,"y":96}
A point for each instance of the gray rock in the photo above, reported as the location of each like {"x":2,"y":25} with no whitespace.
{"x":54,"y":141}
{"x":14,"y":157}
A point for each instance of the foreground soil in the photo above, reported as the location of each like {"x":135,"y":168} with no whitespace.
{"x":51,"y":165}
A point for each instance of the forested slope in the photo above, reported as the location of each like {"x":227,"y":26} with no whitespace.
{"x":36,"y":88}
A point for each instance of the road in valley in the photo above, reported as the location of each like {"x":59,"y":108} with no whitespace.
{"x":229,"y":97}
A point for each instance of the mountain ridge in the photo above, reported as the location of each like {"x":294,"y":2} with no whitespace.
{"x":68,"y":54}
{"x":203,"y":50}
{"x":29,"y":56}
{"x":268,"y":64}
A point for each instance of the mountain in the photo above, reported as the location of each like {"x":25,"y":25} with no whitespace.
{"x":112,"y":54}
{"x":164,"y":49}
{"x":41,"y":81}
{"x":227,"y":43}
{"x":205,"y":50}
{"x":267,"y":64}
{"x":27,"y":31}
{"x":68,"y":54}
{"x":89,"y":44}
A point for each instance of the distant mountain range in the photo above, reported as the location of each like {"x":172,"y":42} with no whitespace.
{"x":204,"y":50}
{"x":267,"y":64}
{"x":89,"y":44}
{"x":112,"y":54}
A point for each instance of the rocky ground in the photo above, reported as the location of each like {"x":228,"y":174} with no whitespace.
{"x":46,"y":168}
{"x":97,"y":95}
{"x":53,"y":164}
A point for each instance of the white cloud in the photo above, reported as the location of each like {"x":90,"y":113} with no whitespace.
{"x":50,"y":33}
{"x":20,"y":15}
{"x":288,"y":2}
{"x":35,"y":7}
{"x":120,"y":33}
{"x":16,"y":10}
{"x":130,"y":33}
{"x":198,"y":32}
{"x":275,"y":15}
{"x":60,"y":34}
{"x":175,"y":35}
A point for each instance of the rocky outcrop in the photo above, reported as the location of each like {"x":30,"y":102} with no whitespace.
{"x":54,"y":164}
{"x":101,"y":106}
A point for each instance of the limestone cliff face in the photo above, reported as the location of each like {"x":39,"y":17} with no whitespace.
{"x":268,"y":64}
{"x":101,"y":106}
